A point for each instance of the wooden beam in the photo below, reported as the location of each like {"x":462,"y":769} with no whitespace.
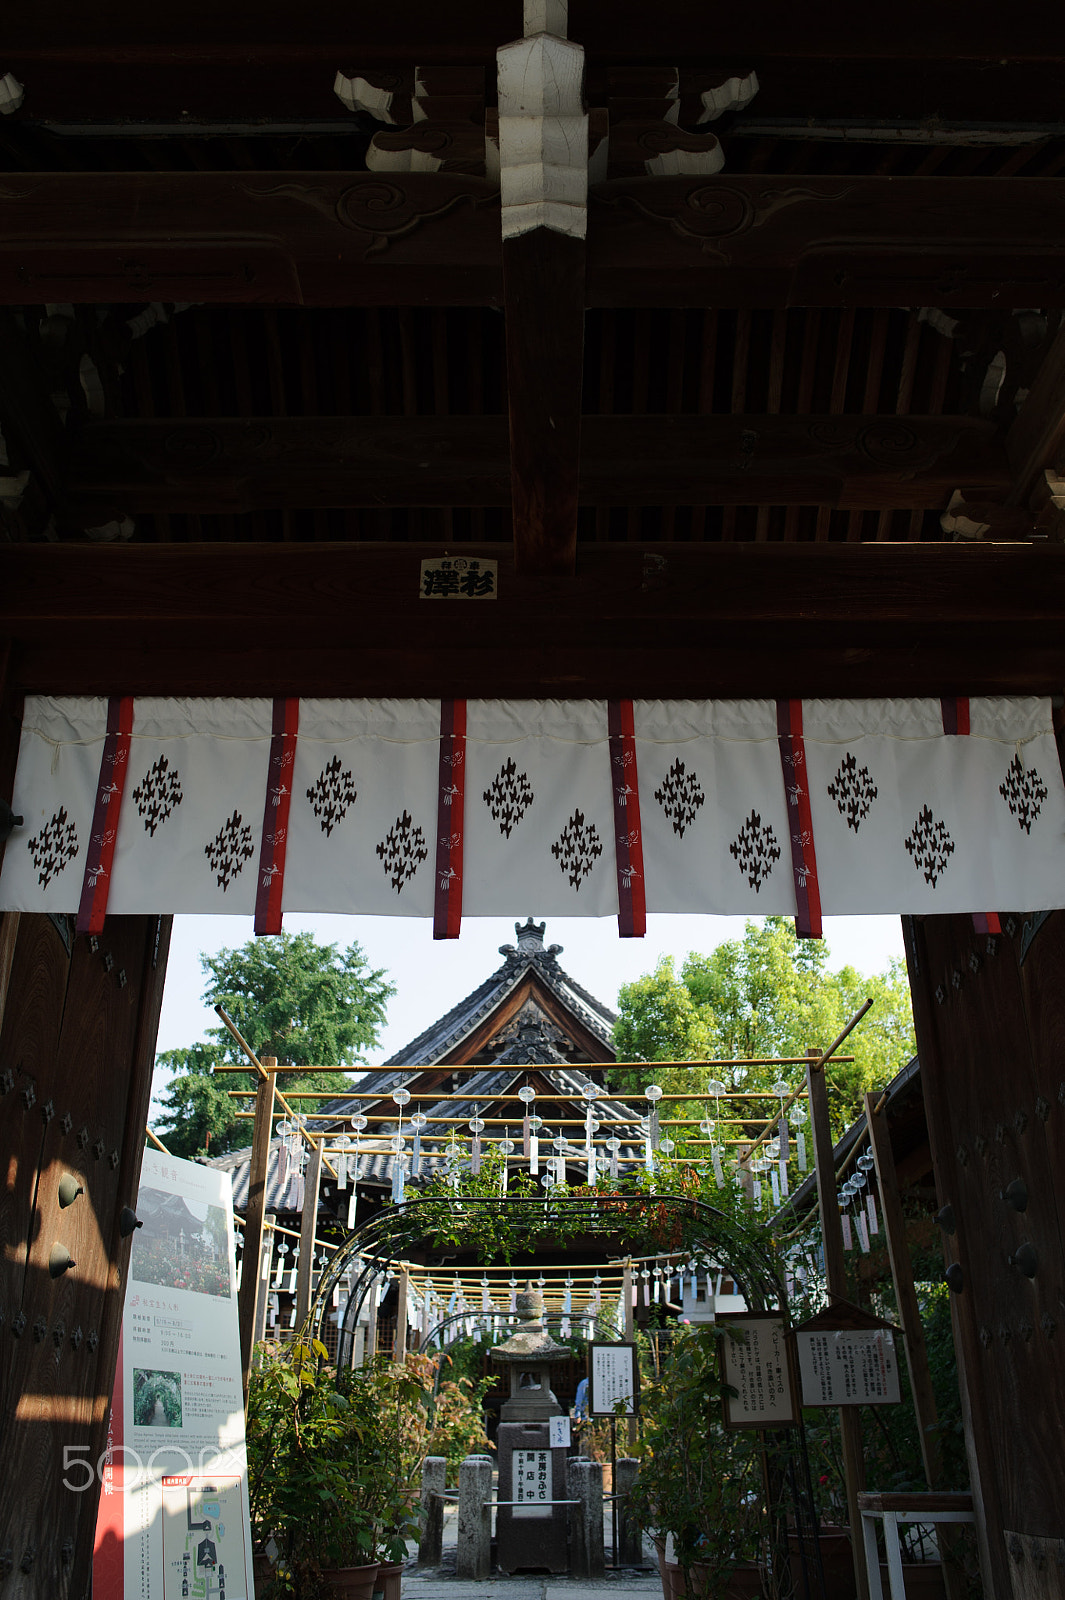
{"x":308,"y":1224}
{"x":257,"y":89}
{"x":850,"y":1429}
{"x":255,"y":1215}
{"x":1035,"y":442}
{"x":924,"y":1400}
{"x":188,"y":35}
{"x":665,"y":620}
{"x":356,"y":238}
{"x":28,"y":419}
{"x":543,"y":273}
{"x":236,"y":464}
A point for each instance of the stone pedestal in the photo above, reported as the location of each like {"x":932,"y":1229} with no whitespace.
{"x":584,"y":1481}
{"x":474,"y":1558}
{"x":630,"y":1538}
{"x":533,"y":1535}
{"x":434,"y":1482}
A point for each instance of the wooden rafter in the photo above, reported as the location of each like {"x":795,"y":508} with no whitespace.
{"x":346,"y":238}
{"x":671,"y":621}
{"x":229,"y":464}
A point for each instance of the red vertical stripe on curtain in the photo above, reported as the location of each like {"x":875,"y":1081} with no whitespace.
{"x":450,"y":820}
{"x":955,"y":709}
{"x":271,"y":886}
{"x":628,"y":840}
{"x":800,"y":820}
{"x":114,"y":766}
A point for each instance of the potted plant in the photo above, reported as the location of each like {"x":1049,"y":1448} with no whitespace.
{"x":699,"y":1485}
{"x":322,"y":1482}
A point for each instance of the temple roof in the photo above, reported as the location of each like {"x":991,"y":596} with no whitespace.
{"x":528,"y":1038}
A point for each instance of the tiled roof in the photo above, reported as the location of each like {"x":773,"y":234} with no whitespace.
{"x":534,"y":1041}
{"x":528,"y":955}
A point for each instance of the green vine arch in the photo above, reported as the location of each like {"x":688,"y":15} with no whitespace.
{"x":501,"y":1225}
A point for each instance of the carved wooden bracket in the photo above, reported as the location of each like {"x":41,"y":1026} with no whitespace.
{"x":967,"y":517}
{"x":447,"y":126}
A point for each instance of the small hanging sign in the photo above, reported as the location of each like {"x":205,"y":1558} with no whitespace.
{"x":613,"y":1376}
{"x":459,"y":578}
{"x":756,"y":1363}
{"x":847,"y":1358}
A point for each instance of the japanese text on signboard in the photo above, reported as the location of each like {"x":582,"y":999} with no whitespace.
{"x":848,"y":1367}
{"x":532,"y":1483}
{"x":613,"y":1379}
{"x":755,"y":1365}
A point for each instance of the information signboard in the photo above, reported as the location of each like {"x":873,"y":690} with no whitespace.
{"x":173,"y":1519}
{"x":848,"y":1367}
{"x":613,"y":1376}
{"x":756,"y":1363}
{"x":531,"y":1477}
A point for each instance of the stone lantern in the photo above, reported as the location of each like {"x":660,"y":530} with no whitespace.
{"x":531,"y":1530}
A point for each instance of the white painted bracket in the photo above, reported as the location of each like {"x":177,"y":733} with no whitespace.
{"x":543,"y":135}
{"x":358,"y":95}
{"x":732,"y":94}
{"x":12,"y":93}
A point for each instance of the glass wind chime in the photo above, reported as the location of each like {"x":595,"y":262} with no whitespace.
{"x":858,"y":1214}
{"x":709,"y":1126}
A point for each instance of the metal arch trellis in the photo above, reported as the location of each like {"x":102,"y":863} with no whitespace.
{"x":665,"y":1222}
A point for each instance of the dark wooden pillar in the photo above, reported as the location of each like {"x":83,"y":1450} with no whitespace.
{"x":990,"y":1018}
{"x":77,"y":1046}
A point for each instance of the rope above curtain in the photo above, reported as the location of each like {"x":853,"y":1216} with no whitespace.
{"x":580,"y":808}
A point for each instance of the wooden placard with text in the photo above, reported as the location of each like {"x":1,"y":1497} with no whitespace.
{"x":613,"y":1375}
{"x":757,"y":1363}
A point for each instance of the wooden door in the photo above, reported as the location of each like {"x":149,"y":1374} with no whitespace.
{"x":990,"y":1017}
{"x":77,"y":1044}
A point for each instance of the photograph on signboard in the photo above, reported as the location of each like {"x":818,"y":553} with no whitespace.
{"x":757,"y":1366}
{"x":181,"y":1244}
{"x":156,"y":1399}
{"x":613,"y":1380}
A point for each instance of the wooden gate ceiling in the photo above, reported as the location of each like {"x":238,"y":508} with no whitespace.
{"x":245,"y":384}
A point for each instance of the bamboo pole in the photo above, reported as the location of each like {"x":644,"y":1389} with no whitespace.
{"x":905,"y":1292}
{"x":253,"y":1220}
{"x":836,"y":1280}
{"x":450,"y":1068}
{"x":308,"y":1222}
{"x":399,"y":1343}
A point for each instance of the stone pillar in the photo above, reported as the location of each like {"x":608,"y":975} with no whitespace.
{"x":434,"y":1482}
{"x":630,"y":1538}
{"x":584,"y":1484}
{"x":475,"y":1518}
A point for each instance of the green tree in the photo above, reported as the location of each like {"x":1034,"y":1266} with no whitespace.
{"x":768,"y":994}
{"x":304,"y":1003}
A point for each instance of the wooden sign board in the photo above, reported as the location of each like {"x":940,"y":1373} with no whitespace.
{"x":613,"y":1375}
{"x":756,"y":1362}
{"x":847,"y":1366}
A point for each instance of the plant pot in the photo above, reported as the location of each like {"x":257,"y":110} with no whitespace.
{"x":837,"y":1562}
{"x":744,"y":1582}
{"x":352,"y":1583}
{"x":923,"y":1580}
{"x":389,"y":1580}
{"x":262,"y":1570}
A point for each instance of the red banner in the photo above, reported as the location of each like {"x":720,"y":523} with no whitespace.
{"x":956,"y":720}
{"x":628,"y":842}
{"x":450,"y":814}
{"x":114,"y":765}
{"x":800,"y":820}
{"x":271,"y":886}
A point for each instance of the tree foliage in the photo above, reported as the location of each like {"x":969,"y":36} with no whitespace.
{"x":302,"y":1002}
{"x":768,"y":994}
